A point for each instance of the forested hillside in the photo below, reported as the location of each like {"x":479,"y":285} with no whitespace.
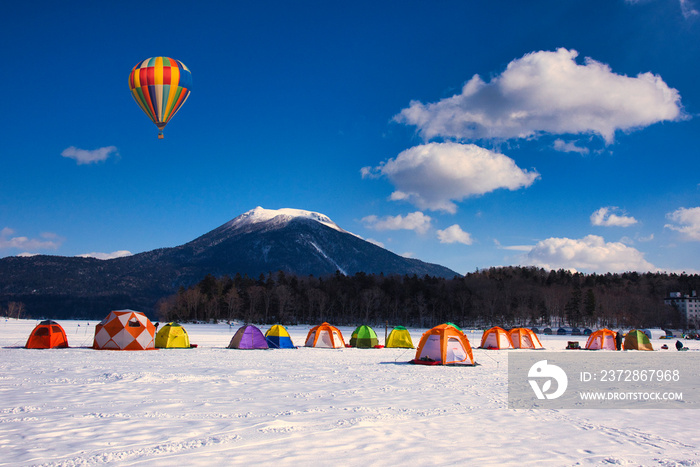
{"x":497,"y":296}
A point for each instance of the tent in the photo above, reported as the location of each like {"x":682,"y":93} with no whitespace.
{"x":654,"y":333}
{"x":547,"y":331}
{"x":444,"y":345}
{"x":449,"y":323}
{"x":637,"y":340}
{"x":326,"y":336}
{"x":172,"y":336}
{"x":278,"y":338}
{"x":561,"y":332}
{"x":47,"y":335}
{"x":125,"y":330}
{"x":602,"y":339}
{"x":364,"y":337}
{"x":248,"y":337}
{"x":523,"y":338}
{"x":587,"y":332}
{"x":399,"y":337}
{"x":496,"y":338}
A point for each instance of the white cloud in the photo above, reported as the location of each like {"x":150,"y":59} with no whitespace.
{"x":512,"y":247}
{"x":433,"y":175}
{"x":414,"y":221}
{"x":590,"y":254}
{"x":454,"y":234}
{"x":48,"y":241}
{"x":85,"y":156}
{"x":637,"y":239}
{"x":112,"y":255}
{"x":688,"y":9}
{"x":547,"y":92}
{"x":606,"y":217}
{"x":367,"y":172}
{"x":562,"y":146}
{"x":627,"y":240}
{"x":687,"y":222}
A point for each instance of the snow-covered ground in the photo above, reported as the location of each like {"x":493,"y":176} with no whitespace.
{"x":214,"y":406}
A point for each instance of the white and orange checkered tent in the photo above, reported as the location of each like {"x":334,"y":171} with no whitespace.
{"x":125,"y":330}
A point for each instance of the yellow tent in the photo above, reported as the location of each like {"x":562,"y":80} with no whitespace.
{"x":172,"y":336}
{"x":399,"y":337}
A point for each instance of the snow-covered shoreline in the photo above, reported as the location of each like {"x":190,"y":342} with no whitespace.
{"x":214,"y":406}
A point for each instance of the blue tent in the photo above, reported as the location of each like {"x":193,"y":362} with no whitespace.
{"x":278,"y":338}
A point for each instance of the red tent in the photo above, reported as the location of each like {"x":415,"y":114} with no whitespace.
{"x":47,"y":335}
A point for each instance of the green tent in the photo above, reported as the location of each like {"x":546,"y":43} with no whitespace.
{"x":453,"y":325}
{"x":637,"y":340}
{"x":363,"y":337}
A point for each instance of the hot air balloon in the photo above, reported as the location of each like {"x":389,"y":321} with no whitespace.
{"x":160,"y":85}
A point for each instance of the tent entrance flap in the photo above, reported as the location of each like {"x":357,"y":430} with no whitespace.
{"x":455,"y":351}
{"x":431,"y":349}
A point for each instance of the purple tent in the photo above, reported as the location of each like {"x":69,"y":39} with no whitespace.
{"x":248,"y":337}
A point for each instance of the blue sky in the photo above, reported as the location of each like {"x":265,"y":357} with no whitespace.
{"x":555,"y":134}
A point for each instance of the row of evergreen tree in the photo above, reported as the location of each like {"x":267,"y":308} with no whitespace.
{"x":505,"y":296}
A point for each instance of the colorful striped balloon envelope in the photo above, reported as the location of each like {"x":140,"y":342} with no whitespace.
{"x":160,"y":85}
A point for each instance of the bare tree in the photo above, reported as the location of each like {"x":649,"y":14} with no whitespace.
{"x":255,"y":297}
{"x":232,"y":300}
{"x":370,"y":300}
{"x":15,"y":309}
{"x":283,"y":293}
{"x":166,"y":308}
{"x":318,"y":299}
{"x":192,"y":298}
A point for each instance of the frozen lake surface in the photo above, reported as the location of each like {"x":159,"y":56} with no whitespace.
{"x":215,"y":406}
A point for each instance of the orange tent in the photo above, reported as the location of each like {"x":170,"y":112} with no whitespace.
{"x":496,"y":338}
{"x":444,"y":345}
{"x":602,"y":339}
{"x":125,"y":330}
{"x":524,"y":338}
{"x":47,"y":335}
{"x":325,"y":336}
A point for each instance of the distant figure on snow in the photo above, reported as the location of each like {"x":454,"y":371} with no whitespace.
{"x":618,"y":340}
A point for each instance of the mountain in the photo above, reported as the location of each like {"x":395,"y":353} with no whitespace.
{"x":257,"y":242}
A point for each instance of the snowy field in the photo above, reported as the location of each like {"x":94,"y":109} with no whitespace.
{"x":214,"y":406}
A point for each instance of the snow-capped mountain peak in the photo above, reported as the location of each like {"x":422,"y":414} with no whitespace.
{"x":279,"y":216}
